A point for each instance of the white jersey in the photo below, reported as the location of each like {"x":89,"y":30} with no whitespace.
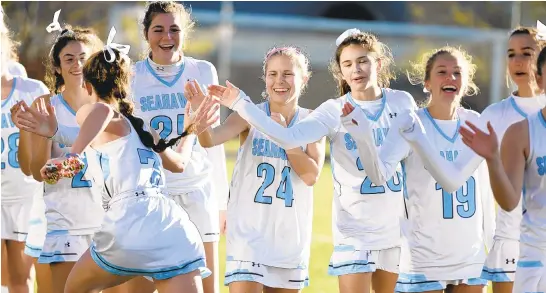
{"x":270,"y":209}
{"x":73,"y":205}
{"x":17,"y":69}
{"x":436,"y":220}
{"x":502,"y":115}
{"x":358,"y":218}
{"x":141,"y":167}
{"x":533,"y":228}
{"x":16,"y":186}
{"x":161,"y":103}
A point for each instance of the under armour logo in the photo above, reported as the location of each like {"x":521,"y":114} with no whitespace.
{"x":392,"y":115}
{"x":67,"y":244}
{"x":139,"y":193}
{"x":513,"y":261}
{"x":255,"y":264}
{"x":160,"y":68}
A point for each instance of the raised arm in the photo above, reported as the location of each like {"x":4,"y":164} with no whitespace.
{"x":381,"y":163}
{"x":93,"y":120}
{"x":451,"y":175}
{"x":324,"y":120}
{"x":506,"y":171}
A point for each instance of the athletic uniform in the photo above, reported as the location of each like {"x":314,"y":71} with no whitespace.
{"x":144,"y":233}
{"x":500,"y":265}
{"x":270,"y":214}
{"x":366,"y":237}
{"x":531,"y":273}
{"x":160,"y":102}
{"x":73,"y":206}
{"x":430,"y":258}
{"x":18,"y":190}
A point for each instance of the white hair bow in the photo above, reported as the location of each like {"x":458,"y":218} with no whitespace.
{"x":346,"y":34}
{"x":541,"y":31}
{"x":109,"y":46}
{"x":55,"y":25}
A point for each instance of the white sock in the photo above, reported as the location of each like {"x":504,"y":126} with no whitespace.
{"x":4,"y":289}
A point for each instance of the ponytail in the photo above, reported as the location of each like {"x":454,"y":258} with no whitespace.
{"x":111,"y":81}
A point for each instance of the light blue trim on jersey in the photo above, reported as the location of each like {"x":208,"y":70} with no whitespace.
{"x":419,"y":283}
{"x":159,"y":274}
{"x":495,"y":275}
{"x":450,"y":139}
{"x":530,"y":264}
{"x":268,"y":112}
{"x":517,"y":108}
{"x":32,"y":251}
{"x":57,"y":232}
{"x":176,"y":77}
{"x":542,"y":118}
{"x":404,"y":176}
{"x":368,"y":114}
{"x":344,"y":248}
{"x":63,"y":101}
{"x":4,"y":102}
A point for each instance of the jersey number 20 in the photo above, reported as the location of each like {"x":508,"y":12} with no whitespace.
{"x":467,"y":201}
{"x":284,"y":191}
{"x":367,"y":187}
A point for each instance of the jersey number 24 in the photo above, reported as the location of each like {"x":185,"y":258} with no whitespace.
{"x":284,"y":191}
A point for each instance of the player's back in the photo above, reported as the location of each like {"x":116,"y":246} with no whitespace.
{"x":533,"y":229}
{"x":73,"y":204}
{"x":128,"y":166}
{"x":270,"y":207}
{"x":16,"y":187}
{"x":443,"y":232}
{"x":360,"y":217}
{"x":160,"y":104}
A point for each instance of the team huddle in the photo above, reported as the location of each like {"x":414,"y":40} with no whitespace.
{"x":114,"y":174}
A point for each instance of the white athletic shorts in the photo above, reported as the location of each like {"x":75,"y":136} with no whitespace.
{"x":202,"y":207}
{"x":145,"y":233}
{"x":531,"y":272}
{"x":346,"y":259}
{"x":502,"y":260}
{"x":15,"y":221}
{"x":37,"y":227}
{"x":59,"y":246}
{"x":273,"y":277}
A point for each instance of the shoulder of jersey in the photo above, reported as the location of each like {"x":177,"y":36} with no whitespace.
{"x":402,"y":98}
{"x":496,"y":108}
{"x":139,"y":67}
{"x":29,"y":85}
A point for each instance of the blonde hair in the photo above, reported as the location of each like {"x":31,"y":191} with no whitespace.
{"x":9,"y":46}
{"x":296,"y":55}
{"x":420,"y":71}
{"x":372,"y":44}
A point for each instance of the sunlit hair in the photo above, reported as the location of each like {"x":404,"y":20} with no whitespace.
{"x":420,"y":71}
{"x":296,"y":55}
{"x":9,"y":46}
{"x":371,"y":43}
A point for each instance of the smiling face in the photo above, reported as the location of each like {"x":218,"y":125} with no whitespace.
{"x":358,"y":67}
{"x":521,"y":55}
{"x":448,"y":77}
{"x":72,"y":58}
{"x":284,"y":79}
{"x":165,"y":37}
